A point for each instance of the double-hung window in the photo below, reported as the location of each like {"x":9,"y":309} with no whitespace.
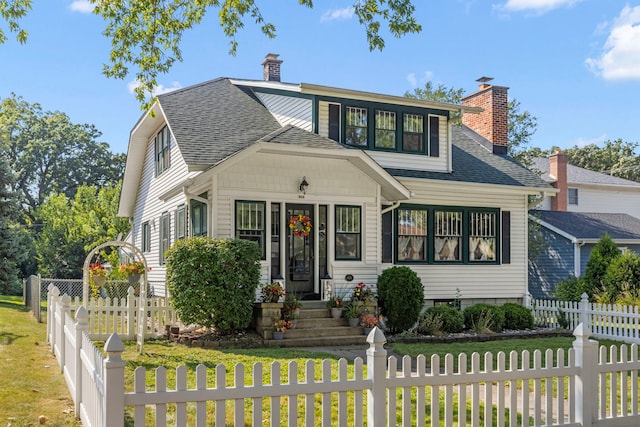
{"x":181,"y":222}
{"x":198,"y":216}
{"x":572,"y":196}
{"x":412,"y":234}
{"x":447,"y":235}
{"x":356,"y":127}
{"x":164,"y":236}
{"x":413,"y":133}
{"x":250,"y":223}
{"x":482,"y":236}
{"x":385,"y":129}
{"x":348,"y":233}
{"x":162,"y":151}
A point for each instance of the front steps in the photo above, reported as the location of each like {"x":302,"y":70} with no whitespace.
{"x":316,"y":327}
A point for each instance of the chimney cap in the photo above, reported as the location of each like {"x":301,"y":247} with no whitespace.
{"x":484,"y":79}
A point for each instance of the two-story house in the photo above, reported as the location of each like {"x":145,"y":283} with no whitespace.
{"x":335,"y":185}
{"x":588,"y":205}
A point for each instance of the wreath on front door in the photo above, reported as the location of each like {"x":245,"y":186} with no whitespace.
{"x":300,"y":225}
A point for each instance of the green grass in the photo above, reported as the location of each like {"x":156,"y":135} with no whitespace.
{"x":31,"y":381}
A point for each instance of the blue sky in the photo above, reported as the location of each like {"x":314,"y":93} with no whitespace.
{"x":574,"y":64}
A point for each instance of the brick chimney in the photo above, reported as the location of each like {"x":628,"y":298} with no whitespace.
{"x":558,"y":170}
{"x":271,"y":66}
{"x":492,"y":123}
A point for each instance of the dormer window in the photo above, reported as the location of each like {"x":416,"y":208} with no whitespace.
{"x":413,"y":136}
{"x":385,"y":129}
{"x":356,"y":127}
{"x":161,"y":143}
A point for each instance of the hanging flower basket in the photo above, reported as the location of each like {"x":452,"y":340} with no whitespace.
{"x":300,"y":225}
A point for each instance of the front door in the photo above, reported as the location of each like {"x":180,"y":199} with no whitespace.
{"x":299,"y":254}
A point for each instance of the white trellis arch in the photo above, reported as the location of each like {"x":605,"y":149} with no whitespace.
{"x":137,"y":254}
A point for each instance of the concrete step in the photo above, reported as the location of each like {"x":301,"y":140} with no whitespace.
{"x":314,"y":313}
{"x":317,"y":341}
{"x":320,"y":323}
{"x":337,"y":331}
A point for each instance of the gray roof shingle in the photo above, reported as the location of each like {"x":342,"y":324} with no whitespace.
{"x":585,"y":225}
{"x":215,"y":119}
{"x":578,"y":175}
{"x":473,"y":162}
{"x":296,"y":136}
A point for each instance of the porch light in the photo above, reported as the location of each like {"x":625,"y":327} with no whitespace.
{"x":303,"y":185}
{"x":327,"y":287}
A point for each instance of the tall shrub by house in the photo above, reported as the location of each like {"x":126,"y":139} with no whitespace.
{"x":601,"y":256}
{"x":213,"y":281}
{"x":400,"y":297}
{"x":622,"y":279}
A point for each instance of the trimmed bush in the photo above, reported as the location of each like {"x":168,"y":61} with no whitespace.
{"x":400,"y":297}
{"x":213,"y":282}
{"x":517,"y":316}
{"x":484,"y":318}
{"x":452,"y":318}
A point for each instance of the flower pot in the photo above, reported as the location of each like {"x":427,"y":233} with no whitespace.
{"x":99,"y":280}
{"x":354,"y":322}
{"x":336,"y":312}
{"x":277,"y":335}
{"x":367,"y":330}
{"x":134,"y":278}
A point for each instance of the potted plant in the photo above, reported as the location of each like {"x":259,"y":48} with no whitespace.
{"x":368,"y":321}
{"x":272,"y":292}
{"x":335,"y":306}
{"x":98,"y":273}
{"x":362,"y":293}
{"x":353,"y":313}
{"x":291,"y":308}
{"x":133,"y":269}
{"x":279,"y":328}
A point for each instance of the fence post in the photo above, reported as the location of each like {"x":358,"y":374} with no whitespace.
{"x":82,"y":325}
{"x":377,"y":373}
{"x":584,"y":308}
{"x":586,"y":352}
{"x":131,"y":313}
{"x":50,"y":289}
{"x":65,"y":307}
{"x":113,"y":371}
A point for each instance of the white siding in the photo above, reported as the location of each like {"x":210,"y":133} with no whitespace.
{"x":150,"y":208}
{"x":323,"y":118}
{"x":289,"y":110}
{"x":606,"y":200}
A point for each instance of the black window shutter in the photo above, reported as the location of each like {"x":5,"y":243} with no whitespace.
{"x":387,"y":237}
{"x":506,"y":237}
{"x":334,"y":122}
{"x":434,"y":136}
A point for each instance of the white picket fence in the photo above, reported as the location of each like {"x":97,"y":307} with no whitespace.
{"x":114,"y":315}
{"x":585,"y":386}
{"x":606,"y":321}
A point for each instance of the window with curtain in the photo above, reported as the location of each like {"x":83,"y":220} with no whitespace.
{"x":482,"y":236}
{"x":412,"y":234}
{"x":447,"y":236}
{"x":250,"y":222}
{"x":348,"y":233}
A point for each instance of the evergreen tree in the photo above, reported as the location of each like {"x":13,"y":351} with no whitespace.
{"x":601,"y":257}
{"x":8,"y":208}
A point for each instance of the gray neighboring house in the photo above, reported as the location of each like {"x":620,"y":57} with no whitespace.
{"x":571,"y":237}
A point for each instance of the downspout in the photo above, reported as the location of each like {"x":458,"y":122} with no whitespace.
{"x":393,"y":206}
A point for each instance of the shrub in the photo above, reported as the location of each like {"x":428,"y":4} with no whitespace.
{"x":213,"y":282}
{"x":623,"y":275}
{"x":429,"y":324}
{"x":452,"y":318}
{"x":484,"y":316}
{"x":517,"y":316}
{"x":400,"y":297}
{"x":570,"y":289}
{"x":601,"y":256}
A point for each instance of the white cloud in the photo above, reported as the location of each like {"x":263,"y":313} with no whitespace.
{"x":334,"y":14}
{"x":82,"y":6}
{"x":536,"y":6}
{"x":582,"y":142}
{"x":416,"y":81}
{"x":158,"y":90}
{"x":620,"y":58}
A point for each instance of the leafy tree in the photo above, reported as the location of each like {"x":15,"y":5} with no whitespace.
{"x":146,"y":34}
{"x":601,"y":256}
{"x":8,"y":261}
{"x":617,"y":158}
{"x":522,"y":125}
{"x":50,"y":155}
{"x":72,"y":227}
{"x":622,"y":277}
